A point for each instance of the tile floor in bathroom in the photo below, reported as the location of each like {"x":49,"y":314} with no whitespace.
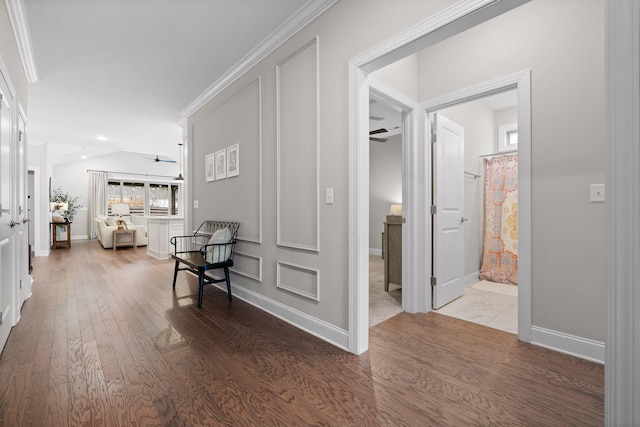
{"x":493,"y":309}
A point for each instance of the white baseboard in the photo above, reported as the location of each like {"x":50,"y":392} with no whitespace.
{"x":569,"y":344}
{"x":471,"y":278}
{"x":319,"y":328}
{"x":44,"y":252}
{"x":80,"y":237}
{"x":374,"y":251}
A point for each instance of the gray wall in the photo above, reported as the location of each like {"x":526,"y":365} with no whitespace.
{"x":344,"y":31}
{"x":565,"y":53}
{"x":385,"y":184}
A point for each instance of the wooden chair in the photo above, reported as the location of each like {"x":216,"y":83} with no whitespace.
{"x":199,"y":254}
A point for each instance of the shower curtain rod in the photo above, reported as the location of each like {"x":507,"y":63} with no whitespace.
{"x":498,"y":154}
{"x":130,"y":173}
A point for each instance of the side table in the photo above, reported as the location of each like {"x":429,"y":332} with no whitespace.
{"x":133,"y":241}
{"x":54,"y":238}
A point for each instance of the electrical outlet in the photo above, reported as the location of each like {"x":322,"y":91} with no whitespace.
{"x":597,"y":193}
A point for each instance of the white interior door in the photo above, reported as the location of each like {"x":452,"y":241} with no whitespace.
{"x":22,"y":232}
{"x":448,"y":213}
{"x":7,"y":301}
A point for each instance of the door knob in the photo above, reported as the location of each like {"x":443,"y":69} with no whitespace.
{"x":13,"y":223}
{"x":463,"y":219}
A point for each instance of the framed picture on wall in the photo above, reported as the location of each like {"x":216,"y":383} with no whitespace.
{"x":221,"y":164}
{"x":233,"y":160}
{"x":209,"y":168}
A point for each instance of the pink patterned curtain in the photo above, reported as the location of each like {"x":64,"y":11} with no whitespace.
{"x":500,"y":232}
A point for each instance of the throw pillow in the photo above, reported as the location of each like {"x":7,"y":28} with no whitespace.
{"x":221,"y":253}
{"x":111,"y":221}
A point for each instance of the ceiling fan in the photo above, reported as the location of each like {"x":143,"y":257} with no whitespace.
{"x":158,"y":160}
{"x":377,"y":131}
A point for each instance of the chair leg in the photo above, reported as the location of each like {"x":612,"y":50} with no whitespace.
{"x":201,"y":285}
{"x":175,"y":274}
{"x":226,"y":276}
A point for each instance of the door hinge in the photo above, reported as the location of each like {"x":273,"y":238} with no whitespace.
{"x":19,"y":135}
{"x":1,"y":318}
{"x":434,"y":209}
{"x":20,"y":284}
{"x":433,"y":281}
{"x":404,"y":220}
{"x":433,"y":137}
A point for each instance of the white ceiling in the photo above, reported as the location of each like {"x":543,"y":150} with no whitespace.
{"x":125,"y":69}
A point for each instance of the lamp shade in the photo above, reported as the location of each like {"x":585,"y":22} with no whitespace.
{"x":395,"y":210}
{"x":120,"y":209}
{"x":58,"y":206}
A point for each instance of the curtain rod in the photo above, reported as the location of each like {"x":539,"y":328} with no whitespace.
{"x":499,"y":154}
{"x":473,"y":175}
{"x":131,"y":173}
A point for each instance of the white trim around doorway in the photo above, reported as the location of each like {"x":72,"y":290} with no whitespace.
{"x":454,"y":20}
{"x":521,"y":82}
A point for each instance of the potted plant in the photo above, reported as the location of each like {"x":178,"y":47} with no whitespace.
{"x":59,"y":196}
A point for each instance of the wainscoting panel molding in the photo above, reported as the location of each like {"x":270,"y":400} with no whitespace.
{"x":248,"y":266}
{"x":300,"y":280}
{"x":297,"y":108}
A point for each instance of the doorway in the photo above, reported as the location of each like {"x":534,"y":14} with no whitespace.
{"x":416,"y":271}
{"x":486,"y":290}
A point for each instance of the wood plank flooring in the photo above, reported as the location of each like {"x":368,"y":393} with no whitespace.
{"x":105,"y":341}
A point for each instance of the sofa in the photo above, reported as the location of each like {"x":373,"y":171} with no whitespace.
{"x":105,"y":226}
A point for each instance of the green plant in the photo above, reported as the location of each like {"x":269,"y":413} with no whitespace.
{"x":60,"y":196}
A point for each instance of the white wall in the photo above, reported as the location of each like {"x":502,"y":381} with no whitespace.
{"x":39,"y":161}
{"x":385,"y":184}
{"x":564,"y":49}
{"x":73,"y":178}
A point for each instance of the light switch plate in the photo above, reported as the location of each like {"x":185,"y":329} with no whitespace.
{"x":597,"y":193}
{"x":196,"y":204}
{"x":329,"y":196}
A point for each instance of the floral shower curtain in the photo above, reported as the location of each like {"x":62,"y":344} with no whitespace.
{"x":500,"y":231}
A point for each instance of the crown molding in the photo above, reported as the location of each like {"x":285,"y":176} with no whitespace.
{"x":18,"y":18}
{"x":306,"y":14}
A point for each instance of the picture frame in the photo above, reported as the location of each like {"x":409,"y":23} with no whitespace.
{"x":233,"y":160}
{"x":209,"y":168}
{"x":221,"y":164}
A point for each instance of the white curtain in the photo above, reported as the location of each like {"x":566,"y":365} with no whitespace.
{"x":97,"y":200}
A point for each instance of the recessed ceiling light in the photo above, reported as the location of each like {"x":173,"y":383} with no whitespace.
{"x":101,"y":138}
{"x":83,"y":157}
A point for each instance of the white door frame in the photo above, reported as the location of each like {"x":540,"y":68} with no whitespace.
{"x":454,"y":20}
{"x":410,"y":109}
{"x":521,"y":82}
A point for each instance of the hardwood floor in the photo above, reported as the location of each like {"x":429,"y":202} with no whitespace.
{"x":105,"y":341}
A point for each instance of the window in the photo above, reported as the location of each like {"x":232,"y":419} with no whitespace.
{"x":158,"y":200}
{"x":508,"y":137}
{"x":145,"y":198}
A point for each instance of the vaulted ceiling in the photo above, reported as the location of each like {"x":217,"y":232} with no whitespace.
{"x":115,"y":75}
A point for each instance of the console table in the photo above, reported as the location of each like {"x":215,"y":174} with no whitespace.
{"x":54,"y":238}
